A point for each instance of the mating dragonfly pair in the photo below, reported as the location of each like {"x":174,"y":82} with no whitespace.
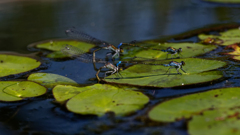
{"x":81,"y":55}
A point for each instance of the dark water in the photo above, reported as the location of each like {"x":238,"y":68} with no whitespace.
{"x":24,"y":21}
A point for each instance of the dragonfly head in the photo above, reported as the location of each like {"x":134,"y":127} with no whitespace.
{"x":180,"y":50}
{"x":183,"y":63}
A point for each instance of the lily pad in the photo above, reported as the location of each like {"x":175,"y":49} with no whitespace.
{"x":156,"y":76}
{"x":228,"y":38}
{"x":188,"y":50}
{"x":58,"y":45}
{"x":99,"y":99}
{"x":64,"y":92}
{"x":18,"y":90}
{"x":10,"y":64}
{"x":219,"y":122}
{"x":194,"y":104}
{"x":50,"y":80}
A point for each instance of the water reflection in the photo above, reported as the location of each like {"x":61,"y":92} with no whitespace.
{"x":23,"y":22}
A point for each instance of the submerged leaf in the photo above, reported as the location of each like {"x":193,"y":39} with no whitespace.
{"x":156,"y":76}
{"x":194,"y":104}
{"x":99,"y":99}
{"x":17,"y":90}
{"x":50,"y":80}
{"x":10,"y":64}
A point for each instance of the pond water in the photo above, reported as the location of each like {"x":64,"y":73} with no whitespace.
{"x":23,"y":22}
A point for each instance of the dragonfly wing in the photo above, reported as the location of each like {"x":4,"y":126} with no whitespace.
{"x":72,"y":32}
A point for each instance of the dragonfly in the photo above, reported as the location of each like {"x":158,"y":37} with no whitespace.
{"x":169,"y":50}
{"x":75,"y":52}
{"x":87,"y":38}
{"x":113,"y":69}
{"x":176,"y":65}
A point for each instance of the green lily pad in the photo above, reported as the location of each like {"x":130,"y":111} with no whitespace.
{"x":18,"y":90}
{"x":188,"y":50}
{"x":156,"y":76}
{"x":228,"y":38}
{"x":99,"y":99}
{"x":64,"y":92}
{"x":50,"y":80}
{"x":194,"y":104}
{"x":219,"y":122}
{"x":10,"y":64}
{"x":224,"y":1}
{"x":58,"y":45}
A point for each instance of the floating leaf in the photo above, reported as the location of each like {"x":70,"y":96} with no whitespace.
{"x":64,"y":92}
{"x":17,"y":90}
{"x":10,"y":64}
{"x":228,"y":38}
{"x":50,"y":80}
{"x":219,"y":122}
{"x":58,"y":45}
{"x":156,"y":76}
{"x":99,"y":99}
{"x":194,"y":104}
{"x":188,"y":50}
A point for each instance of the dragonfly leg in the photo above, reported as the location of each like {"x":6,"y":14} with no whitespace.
{"x":178,"y":71}
{"x":115,"y":54}
{"x":183,"y":70}
{"x":169,"y":70}
{"x":108,"y":72}
{"x":120,"y":74}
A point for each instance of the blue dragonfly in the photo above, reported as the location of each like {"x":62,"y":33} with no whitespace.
{"x":113,"y":69}
{"x":115,"y":51}
{"x":176,"y":65}
{"x":169,"y":50}
{"x":77,"y":53}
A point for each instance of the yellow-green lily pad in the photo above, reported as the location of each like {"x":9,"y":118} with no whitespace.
{"x":156,"y":76}
{"x":195,"y":104}
{"x":18,"y":90}
{"x":99,"y":99}
{"x":219,"y":122}
{"x":11,"y":64}
{"x":58,"y":45}
{"x":188,"y":50}
{"x":64,"y":92}
{"x":228,"y":38}
{"x":50,"y":80}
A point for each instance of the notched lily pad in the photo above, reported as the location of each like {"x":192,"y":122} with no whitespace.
{"x":18,"y":90}
{"x":195,"y":104}
{"x":156,"y":76}
{"x":57,"y":45}
{"x":188,"y":50}
{"x":219,"y":122}
{"x":10,"y":64}
{"x":228,"y":38}
{"x":50,"y":80}
{"x":99,"y":99}
{"x":64,"y":92}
